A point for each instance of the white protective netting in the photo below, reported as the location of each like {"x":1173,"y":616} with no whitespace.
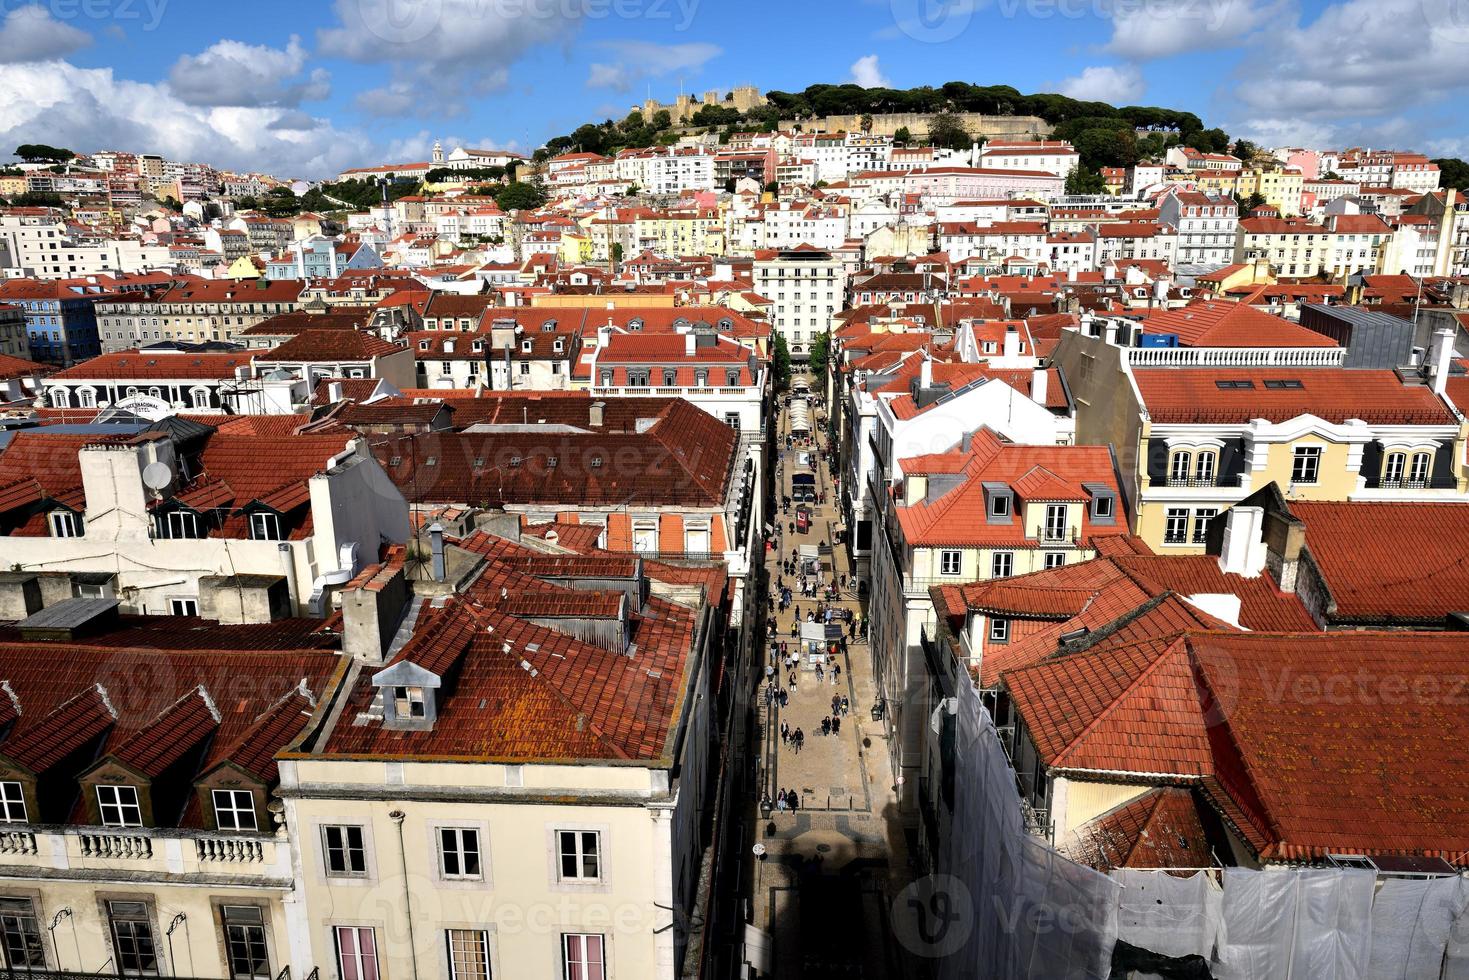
{"x":1037,"y":914}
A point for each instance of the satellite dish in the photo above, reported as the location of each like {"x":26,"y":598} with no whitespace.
{"x":157,"y":476}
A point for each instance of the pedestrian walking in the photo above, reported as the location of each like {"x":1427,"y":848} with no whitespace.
{"x":793,"y":801}
{"x":826,"y":725}
{"x":836,"y":724}
{"x":836,"y":703}
{"x":799,"y":739}
{"x":780,"y":801}
{"x":846,"y":705}
{"x":785,"y":732}
{"x":836,"y":672}
{"x":819,"y":674}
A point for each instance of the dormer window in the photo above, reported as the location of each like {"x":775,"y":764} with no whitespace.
{"x":525,"y":346}
{"x":265,"y":526}
{"x":558,"y":345}
{"x":65,"y":524}
{"x":409,"y":702}
{"x":234,"y":809}
{"x":423,"y":345}
{"x":117,"y":806}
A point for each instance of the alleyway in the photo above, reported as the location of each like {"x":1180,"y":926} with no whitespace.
{"x":823,"y":888}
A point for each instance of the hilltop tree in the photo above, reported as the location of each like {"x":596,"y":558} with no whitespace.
{"x":947,"y":130}
{"x":1453,"y":172}
{"x":41,"y":153}
{"x":519,"y":196}
{"x":902,"y":137}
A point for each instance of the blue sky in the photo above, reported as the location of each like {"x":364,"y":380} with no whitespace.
{"x":308,"y":87}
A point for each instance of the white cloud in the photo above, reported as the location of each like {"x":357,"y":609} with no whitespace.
{"x":234,"y":73}
{"x":1119,"y":85}
{"x":32,"y":34}
{"x":90,"y":109}
{"x":634,"y":60}
{"x":1164,"y":28}
{"x":446,"y":51}
{"x":867,"y":74}
{"x":1356,"y":69}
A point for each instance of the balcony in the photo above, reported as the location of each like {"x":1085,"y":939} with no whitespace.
{"x":158,"y":853}
{"x":1060,"y":535}
{"x":1236,"y":356}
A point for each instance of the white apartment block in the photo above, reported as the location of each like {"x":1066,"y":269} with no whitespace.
{"x":1206,"y":226}
{"x":807,"y":286}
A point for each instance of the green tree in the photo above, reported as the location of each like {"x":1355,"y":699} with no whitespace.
{"x":519,"y":196}
{"x":773,"y":187}
{"x":42,"y":153}
{"x":1084,"y":180}
{"x":172,"y":203}
{"x":947,"y":130}
{"x":280,"y":202}
{"x":819,"y":351}
{"x":662,"y":119}
{"x":780,"y":362}
{"x":902,"y":137}
{"x":1245,"y":150}
{"x":617,"y":252}
{"x":1453,"y":172}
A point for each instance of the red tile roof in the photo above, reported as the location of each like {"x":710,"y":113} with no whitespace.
{"x":1386,"y":563}
{"x":331,"y":346}
{"x":12,"y":368}
{"x":1159,"y":829}
{"x":1221,"y":324}
{"x":1193,"y":395}
{"x":155,"y":366}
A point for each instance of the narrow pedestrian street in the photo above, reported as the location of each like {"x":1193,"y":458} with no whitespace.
{"x":825,"y":872}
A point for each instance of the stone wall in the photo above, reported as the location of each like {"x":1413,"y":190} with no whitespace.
{"x":886,"y":124}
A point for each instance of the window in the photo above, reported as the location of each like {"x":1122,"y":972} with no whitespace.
{"x":346,"y":853}
{"x":1002,"y":565}
{"x":1419,"y":468}
{"x":183,"y":607}
{"x":1202,"y":517}
{"x":1055,"y":559}
{"x":1179,"y":465}
{"x":408,"y":702}
{"x":1306,"y":465}
{"x":265,"y":527}
{"x":1102,"y":507}
{"x":999,"y":630}
{"x":356,"y":953}
{"x":65,"y":524}
{"x":459,"y":852}
{"x":22,"y":935}
{"x":12,"y":803}
{"x":949,"y":562}
{"x":645,"y":536}
{"x":244,"y":938}
{"x":469,"y":954}
{"x":234,"y":809}
{"x":181,"y":524}
{"x":132,"y":938}
{"x":583,"y":956}
{"x":580,"y":855}
{"x":118,"y":806}
{"x":1175,"y":526}
{"x":1055,"y":529}
{"x":1000,"y":505}
{"x":1204,"y":467}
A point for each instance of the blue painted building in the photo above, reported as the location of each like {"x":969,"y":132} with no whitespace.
{"x":60,"y":318}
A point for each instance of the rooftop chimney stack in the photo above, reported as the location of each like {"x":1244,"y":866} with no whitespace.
{"x":925,"y":373}
{"x":436,"y":545}
{"x":1443,"y":358}
{"x":1243,"y":552}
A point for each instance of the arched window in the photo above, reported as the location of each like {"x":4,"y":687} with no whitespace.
{"x":87,"y":397}
{"x":1179,"y":466}
{"x":60,"y":398}
{"x":1204,"y":466}
{"x":1393,"y":468}
{"x":1418,"y":468}
{"x":200,"y":397}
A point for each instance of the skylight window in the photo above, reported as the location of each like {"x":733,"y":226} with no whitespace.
{"x":1234,"y":385}
{"x":1284,"y":383}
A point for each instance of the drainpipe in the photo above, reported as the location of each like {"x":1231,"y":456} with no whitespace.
{"x":397,"y":817}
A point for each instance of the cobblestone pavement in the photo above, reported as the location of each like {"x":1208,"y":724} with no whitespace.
{"x":832,"y":867}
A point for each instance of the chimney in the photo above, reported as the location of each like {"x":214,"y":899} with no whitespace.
{"x":594,"y":414}
{"x":1443,"y":355}
{"x":1244,"y":545}
{"x":1011,"y":349}
{"x":334,"y":392}
{"x":436,"y":545}
{"x":1109,"y":332}
{"x":604,"y":336}
{"x":925,"y":373}
{"x":689,"y":343}
{"x":1039,"y":386}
